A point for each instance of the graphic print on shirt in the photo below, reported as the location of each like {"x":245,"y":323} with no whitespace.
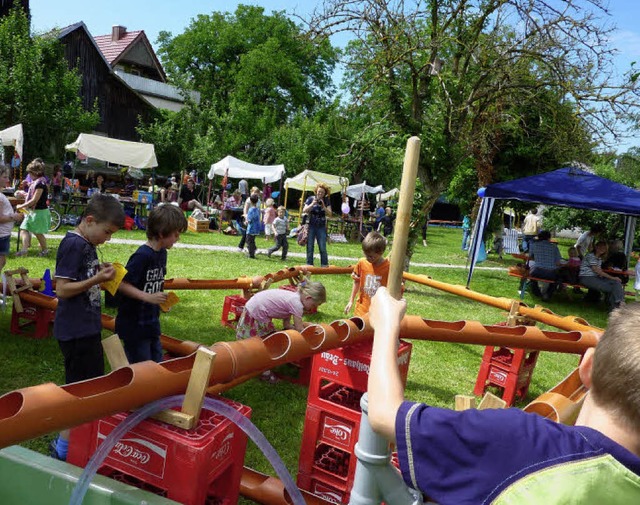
{"x":154,"y":281}
{"x":371,"y":284}
{"x":92,"y":269}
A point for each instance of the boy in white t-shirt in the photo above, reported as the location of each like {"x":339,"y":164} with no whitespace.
{"x":8,"y":217}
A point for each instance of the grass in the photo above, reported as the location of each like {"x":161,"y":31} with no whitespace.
{"x":438,"y":371}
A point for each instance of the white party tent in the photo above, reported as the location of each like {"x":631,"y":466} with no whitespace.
{"x":238,"y":169}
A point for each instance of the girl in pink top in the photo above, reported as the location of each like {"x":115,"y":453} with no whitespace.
{"x":263,"y":307}
{"x":269,"y":216}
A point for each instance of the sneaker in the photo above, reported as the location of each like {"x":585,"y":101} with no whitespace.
{"x":268,"y":254}
{"x":43,"y":253}
{"x":21,"y":253}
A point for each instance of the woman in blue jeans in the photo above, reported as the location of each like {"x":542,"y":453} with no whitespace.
{"x":318,"y":208}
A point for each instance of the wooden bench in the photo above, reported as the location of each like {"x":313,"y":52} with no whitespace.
{"x":526,"y":279}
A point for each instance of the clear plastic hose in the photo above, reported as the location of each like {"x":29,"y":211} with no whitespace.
{"x":174,"y":401}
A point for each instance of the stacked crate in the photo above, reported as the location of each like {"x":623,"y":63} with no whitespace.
{"x":338,"y":380}
{"x":193,"y":467}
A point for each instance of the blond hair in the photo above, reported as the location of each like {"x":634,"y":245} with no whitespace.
{"x":616,"y":367}
{"x":315,"y":290}
{"x":36,"y":167}
{"x":374,"y":243}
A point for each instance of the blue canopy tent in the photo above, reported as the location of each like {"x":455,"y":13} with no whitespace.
{"x":566,"y":187}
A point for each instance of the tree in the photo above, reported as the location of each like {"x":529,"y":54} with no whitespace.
{"x":254,"y":72}
{"x":38,"y":90}
{"x":448,"y":70}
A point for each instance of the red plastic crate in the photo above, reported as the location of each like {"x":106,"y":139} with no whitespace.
{"x":192,"y":467}
{"x":33,"y":321}
{"x":506,"y":368}
{"x":321,"y":426}
{"x":349,"y":366}
{"x":329,"y":491}
{"x":232,"y":310}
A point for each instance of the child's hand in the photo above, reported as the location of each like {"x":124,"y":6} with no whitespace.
{"x":17,"y":217}
{"x":156,"y":298}
{"x":106,"y":272}
{"x":347,"y":308}
{"x":385,"y":309}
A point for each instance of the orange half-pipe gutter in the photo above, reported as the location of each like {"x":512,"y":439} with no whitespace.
{"x":37,"y":410}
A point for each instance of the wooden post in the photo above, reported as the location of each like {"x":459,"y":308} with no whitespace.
{"x":188,"y":416}
{"x":403,"y":217}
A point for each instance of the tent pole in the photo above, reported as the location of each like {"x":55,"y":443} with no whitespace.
{"x":304,"y":188}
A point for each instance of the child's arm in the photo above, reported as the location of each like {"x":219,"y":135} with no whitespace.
{"x":66,"y":288}
{"x":354,"y":292}
{"x":137,"y":294}
{"x":386,"y":392}
{"x":31,"y":201}
{"x":298,"y":324}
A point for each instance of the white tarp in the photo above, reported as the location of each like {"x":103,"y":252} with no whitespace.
{"x":238,"y":169}
{"x":388,"y":195}
{"x":14,"y":137}
{"x":121,"y":152}
{"x":357,"y":191}
{"x":307,"y":179}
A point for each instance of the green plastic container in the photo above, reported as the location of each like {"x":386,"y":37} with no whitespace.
{"x":28,"y":477}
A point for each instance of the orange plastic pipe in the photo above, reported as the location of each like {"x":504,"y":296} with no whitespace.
{"x":36,"y":410}
{"x":540,"y":314}
{"x":269,"y":490}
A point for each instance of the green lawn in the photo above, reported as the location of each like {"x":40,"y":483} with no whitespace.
{"x":437,"y":373}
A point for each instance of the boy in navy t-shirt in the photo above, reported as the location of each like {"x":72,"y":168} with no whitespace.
{"x":78,"y":322}
{"x":510,"y":456}
{"x":138,"y":319}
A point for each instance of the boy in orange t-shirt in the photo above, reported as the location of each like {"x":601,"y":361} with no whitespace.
{"x":369,"y":274}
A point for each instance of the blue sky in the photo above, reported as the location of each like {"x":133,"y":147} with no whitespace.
{"x":175,"y":16}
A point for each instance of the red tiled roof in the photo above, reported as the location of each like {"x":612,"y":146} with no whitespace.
{"x":112,"y":50}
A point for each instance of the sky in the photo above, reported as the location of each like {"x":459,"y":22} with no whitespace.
{"x":153,"y":16}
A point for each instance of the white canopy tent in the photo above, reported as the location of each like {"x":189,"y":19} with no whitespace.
{"x":122,"y":152}
{"x":358,"y":191}
{"x":383,"y":197}
{"x":307,"y":179}
{"x":14,"y":137}
{"x":238,"y":169}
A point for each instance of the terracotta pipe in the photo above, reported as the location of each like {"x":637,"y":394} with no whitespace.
{"x":540,"y":314}
{"x":173,"y":346}
{"x":269,"y":490}
{"x":240,"y":282}
{"x":563,"y":402}
{"x":473,"y":332}
{"x":36,"y":410}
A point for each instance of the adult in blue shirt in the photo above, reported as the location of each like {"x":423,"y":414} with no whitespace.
{"x":547,"y":261}
{"x":318,"y":208}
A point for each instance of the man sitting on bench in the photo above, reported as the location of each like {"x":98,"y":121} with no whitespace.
{"x":547,"y":261}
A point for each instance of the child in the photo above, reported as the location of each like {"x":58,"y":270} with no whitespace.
{"x":569,"y":271}
{"x":78,"y":321}
{"x":280,"y":225}
{"x":269,"y":216}
{"x":266,"y":305}
{"x":253,"y":224}
{"x":509,"y":456}
{"x":38,"y":217}
{"x":7,"y":218}
{"x":387,"y":222}
{"x":369,"y":274}
{"x":138,"y":319}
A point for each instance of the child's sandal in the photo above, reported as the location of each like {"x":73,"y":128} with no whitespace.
{"x":269,"y":377}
